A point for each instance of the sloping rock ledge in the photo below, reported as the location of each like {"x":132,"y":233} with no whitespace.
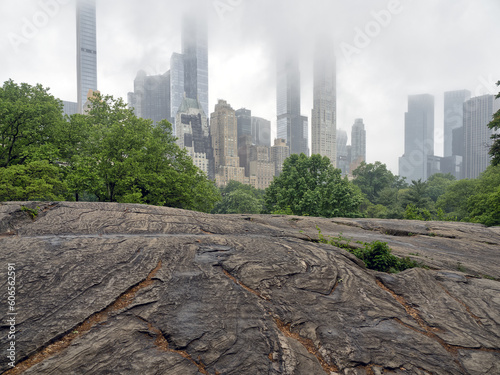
{"x":132,"y":289}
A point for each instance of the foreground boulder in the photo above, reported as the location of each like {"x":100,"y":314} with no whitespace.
{"x":131,"y":289}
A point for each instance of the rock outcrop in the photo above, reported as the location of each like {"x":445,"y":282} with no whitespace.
{"x":132,"y":289}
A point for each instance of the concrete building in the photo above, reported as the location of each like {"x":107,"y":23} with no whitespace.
{"x":358,"y":144}
{"x":261,"y":131}
{"x":151,"y":96}
{"x":279,"y":152}
{"x":86,"y":52}
{"x":419,"y":138}
{"x":291,"y":126}
{"x":193,"y":134}
{"x":324,"y":112}
{"x":453,"y":119}
{"x":478,"y":113}
{"x":224,"y":133}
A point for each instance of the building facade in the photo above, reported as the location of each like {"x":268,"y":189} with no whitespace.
{"x":324,"y":112}
{"x":290,"y":124}
{"x":244,"y":123}
{"x":86,"y":50}
{"x":453,"y":119}
{"x":478,"y":113}
{"x":419,"y":138}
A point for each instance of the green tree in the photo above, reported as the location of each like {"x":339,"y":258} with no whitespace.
{"x":454,"y":200}
{"x":238,"y":198}
{"x":437,"y":184}
{"x":36,"y":180}
{"x":484,"y":204}
{"x":123,"y":158}
{"x":417,"y":195}
{"x":312,"y":186}
{"x":495,"y":125}
{"x":30,"y":117}
{"x":373,"y":178}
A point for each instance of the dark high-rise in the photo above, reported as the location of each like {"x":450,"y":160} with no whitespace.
{"x":86,"y":50}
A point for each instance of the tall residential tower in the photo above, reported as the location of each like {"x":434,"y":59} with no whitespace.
{"x":195,"y":55}
{"x":291,"y":125}
{"x":419,"y":138}
{"x":453,"y":118}
{"x":478,"y":113}
{"x":323,"y":129}
{"x":86,"y":50}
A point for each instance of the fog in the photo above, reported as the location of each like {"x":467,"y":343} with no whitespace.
{"x":385,"y":51}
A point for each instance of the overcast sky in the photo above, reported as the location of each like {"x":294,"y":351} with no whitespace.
{"x":408,"y":47}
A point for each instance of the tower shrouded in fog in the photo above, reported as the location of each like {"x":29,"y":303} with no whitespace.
{"x":195,"y":55}
{"x":291,"y":125}
{"x":324,"y":113}
{"x":419,"y":138}
{"x":86,"y":50}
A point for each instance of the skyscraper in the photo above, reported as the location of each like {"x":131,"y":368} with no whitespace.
{"x":419,"y":138}
{"x":224,"y":130}
{"x":323,"y":128}
{"x":478,"y":113}
{"x":86,"y":49}
{"x":195,"y":52}
{"x":261,"y":131}
{"x":151,"y":96}
{"x":453,"y":118}
{"x":279,"y":152}
{"x":342,"y":161}
{"x":358,"y":143}
{"x":244,"y":121}
{"x":176,"y":84}
{"x":291,"y":125}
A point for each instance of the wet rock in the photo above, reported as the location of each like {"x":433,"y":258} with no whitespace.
{"x":132,"y":289}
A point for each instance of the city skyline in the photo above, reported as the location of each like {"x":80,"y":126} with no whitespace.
{"x":373,"y":81}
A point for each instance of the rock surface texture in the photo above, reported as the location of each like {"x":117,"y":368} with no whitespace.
{"x":129,"y":289}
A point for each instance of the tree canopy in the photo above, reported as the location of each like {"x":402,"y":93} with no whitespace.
{"x":374,"y":178}
{"x":108,"y":154}
{"x":312,"y":186}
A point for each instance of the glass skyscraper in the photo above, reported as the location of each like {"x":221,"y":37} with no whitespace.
{"x":86,"y":49}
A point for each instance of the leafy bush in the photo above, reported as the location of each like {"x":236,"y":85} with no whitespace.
{"x":376,"y":254}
